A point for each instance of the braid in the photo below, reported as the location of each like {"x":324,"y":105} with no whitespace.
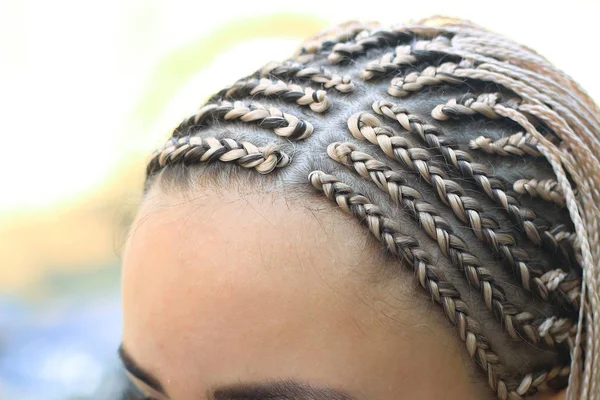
{"x":404,"y":55}
{"x":328,"y":39}
{"x":289,"y":69}
{"x":557,"y":133}
{"x":191,"y":150}
{"x":468,"y":105}
{"x":415,"y":81}
{"x":317,"y":100}
{"x":547,"y":189}
{"x":517,"y":144}
{"x":283,"y":124}
{"x":344,"y":52}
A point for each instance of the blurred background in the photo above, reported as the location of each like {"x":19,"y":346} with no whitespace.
{"x":88,"y":89}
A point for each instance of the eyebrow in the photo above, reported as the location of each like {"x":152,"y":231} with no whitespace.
{"x":277,"y":390}
{"x":138,"y":372}
{"x":272,"y":390}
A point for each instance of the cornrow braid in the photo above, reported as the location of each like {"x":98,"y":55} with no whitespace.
{"x":407,"y":249}
{"x":404,"y":55}
{"x":462,"y":162}
{"x":328,"y":39}
{"x":344,"y":52}
{"x":290,"y":69}
{"x":317,"y":100}
{"x":283,"y":124}
{"x":517,"y":144}
{"x":415,"y":81}
{"x":517,"y":323}
{"x":468,"y":105}
{"x":193,"y":150}
{"x":547,"y":189}
{"x":367,"y":126}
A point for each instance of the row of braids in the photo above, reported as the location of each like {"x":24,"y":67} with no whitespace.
{"x":366,"y":126}
{"x":434,"y":137}
{"x":278,"y":117}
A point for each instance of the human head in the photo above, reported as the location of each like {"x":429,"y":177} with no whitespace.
{"x":333,"y":218}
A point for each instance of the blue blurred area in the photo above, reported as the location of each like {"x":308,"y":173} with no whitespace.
{"x":61,"y":342}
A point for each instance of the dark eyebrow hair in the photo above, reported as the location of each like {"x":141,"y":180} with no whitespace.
{"x":272,"y":390}
{"x":134,"y":369}
{"x":276,"y":390}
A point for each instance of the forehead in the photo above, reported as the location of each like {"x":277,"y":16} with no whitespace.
{"x":221,"y":287}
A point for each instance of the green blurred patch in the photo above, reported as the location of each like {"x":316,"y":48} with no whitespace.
{"x":180,"y":65}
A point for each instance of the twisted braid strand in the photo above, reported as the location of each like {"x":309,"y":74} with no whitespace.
{"x":377,"y":39}
{"x":317,"y":100}
{"x":327,"y":39}
{"x":547,"y":189}
{"x":404,"y":55}
{"x":366,"y":126}
{"x":433,"y":281}
{"x":518,"y":324}
{"x":290,"y":69}
{"x":468,"y":105}
{"x":283,"y":124}
{"x":415,"y":81}
{"x":462,"y":162}
{"x":518,"y":144}
{"x":194,"y":150}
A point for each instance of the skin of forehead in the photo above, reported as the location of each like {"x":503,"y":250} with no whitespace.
{"x":222,"y":287}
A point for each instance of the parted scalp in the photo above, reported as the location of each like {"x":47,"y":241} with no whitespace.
{"x":445,"y":141}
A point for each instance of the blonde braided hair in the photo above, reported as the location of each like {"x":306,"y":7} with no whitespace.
{"x":418,"y":159}
{"x":552,"y":201}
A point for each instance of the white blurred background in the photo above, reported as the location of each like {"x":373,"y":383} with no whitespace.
{"x":87,"y":89}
